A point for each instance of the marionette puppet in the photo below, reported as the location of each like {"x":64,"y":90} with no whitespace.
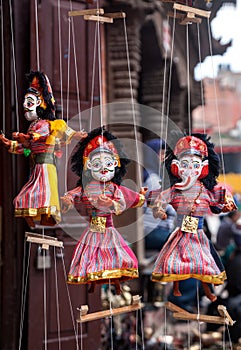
{"x":193,"y":167}
{"x":38,"y":200}
{"x":101,"y":255}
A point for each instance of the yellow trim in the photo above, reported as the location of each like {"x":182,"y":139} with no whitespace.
{"x":35,"y":213}
{"x":140,"y":202}
{"x":13,"y":147}
{"x":101,"y":276}
{"x":215,"y":279}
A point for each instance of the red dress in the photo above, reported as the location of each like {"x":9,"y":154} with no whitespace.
{"x":186,"y":255}
{"x":101,"y":253}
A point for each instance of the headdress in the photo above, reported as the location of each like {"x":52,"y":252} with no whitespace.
{"x":40,"y":87}
{"x":191,"y":145}
{"x":98,"y":140}
{"x":97,"y":144}
{"x":195,"y":144}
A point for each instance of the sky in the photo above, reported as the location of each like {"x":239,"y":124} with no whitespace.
{"x":226,"y":25}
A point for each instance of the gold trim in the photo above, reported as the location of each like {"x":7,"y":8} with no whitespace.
{"x":98,"y":224}
{"x":140,"y":202}
{"x":33,"y":212}
{"x":101,"y":276}
{"x":215,"y":279}
{"x":13,"y":147}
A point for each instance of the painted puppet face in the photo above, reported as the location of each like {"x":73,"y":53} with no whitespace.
{"x":102,"y":166}
{"x":31,"y":102}
{"x":189,"y":170}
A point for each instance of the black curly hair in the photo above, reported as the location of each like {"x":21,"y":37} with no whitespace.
{"x":49,"y":112}
{"x":77,"y":158}
{"x":213,"y":163}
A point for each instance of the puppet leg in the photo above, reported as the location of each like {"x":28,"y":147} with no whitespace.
{"x":47,"y":220}
{"x":92,"y":287}
{"x":208,"y":293}
{"x":176,"y":290}
{"x":118,"y":287}
{"x":29,"y":221}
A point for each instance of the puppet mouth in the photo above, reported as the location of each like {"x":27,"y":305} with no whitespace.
{"x":186,"y":183}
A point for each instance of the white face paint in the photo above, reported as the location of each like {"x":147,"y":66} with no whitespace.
{"x":189,"y":170}
{"x":102,"y":166}
{"x":31,"y":102}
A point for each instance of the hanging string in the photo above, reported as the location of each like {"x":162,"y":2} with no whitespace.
{"x":44,"y":294}
{"x":37,"y":34}
{"x":14,"y":64}
{"x":57,"y":300}
{"x":165,"y":327}
{"x":24,"y":291}
{"x":100,"y":66}
{"x":60,"y":59}
{"x":3,"y":72}
{"x":216,"y":101}
{"x":142,"y":330}
{"x":229,"y":337}
{"x":162,"y":136}
{"x":201,"y":81}
{"x":139,"y":173}
{"x":76,"y":73}
{"x":111,"y":317}
{"x":188,"y":81}
{"x":198,"y":314}
{"x":69,"y":300}
{"x":137,"y":329}
{"x":93,"y":79}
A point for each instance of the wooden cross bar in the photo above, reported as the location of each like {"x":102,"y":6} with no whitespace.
{"x":86,"y":12}
{"x":190,"y":15}
{"x":45,"y":241}
{"x":85,"y":317}
{"x":182,"y":314}
{"x":97,"y":15}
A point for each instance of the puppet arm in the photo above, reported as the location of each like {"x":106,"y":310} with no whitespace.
{"x":12,"y":145}
{"x":70,"y":198}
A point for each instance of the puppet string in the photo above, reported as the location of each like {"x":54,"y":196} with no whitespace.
{"x":93,"y":79}
{"x":69,"y":300}
{"x":216,"y":99}
{"x":188,"y":80}
{"x":24,"y":291}
{"x":14,"y":64}
{"x":111,"y":316}
{"x":142,"y":329}
{"x":3,"y":71}
{"x":132,"y":104}
{"x":57,"y":299}
{"x":60,"y":59}
{"x":201,"y":80}
{"x":37,"y":34}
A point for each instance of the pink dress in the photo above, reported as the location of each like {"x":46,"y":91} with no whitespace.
{"x":101,"y":253}
{"x":186,"y":255}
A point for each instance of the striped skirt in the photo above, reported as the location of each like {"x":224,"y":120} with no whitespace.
{"x":187,"y":255}
{"x":102,"y":257}
{"x":40,"y":194}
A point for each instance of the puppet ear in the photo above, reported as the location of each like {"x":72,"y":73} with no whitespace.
{"x":205,"y":169}
{"x":174,"y":167}
{"x":116,"y":163}
{"x":88,"y":164}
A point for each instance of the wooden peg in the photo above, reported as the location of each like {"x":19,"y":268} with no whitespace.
{"x":136,"y":305}
{"x":116,"y":15}
{"x":182,"y":314}
{"x":86,"y":12}
{"x":101,"y":19}
{"x":224,"y":313}
{"x":45,"y":241}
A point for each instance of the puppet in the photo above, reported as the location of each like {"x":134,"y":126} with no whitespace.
{"x":193,"y":167}
{"x":101,"y":255}
{"x":38,"y":200}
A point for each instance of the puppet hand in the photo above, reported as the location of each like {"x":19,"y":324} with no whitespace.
{"x":143,"y":190}
{"x":80,"y":135}
{"x":66,"y":204}
{"x":229,"y":205}
{"x":21,"y":138}
{"x":104,"y":201}
{"x":6,"y":142}
{"x":159,"y":213}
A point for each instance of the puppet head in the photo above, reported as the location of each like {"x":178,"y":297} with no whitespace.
{"x":99,"y":156}
{"x":193,"y":158}
{"x":39,"y":100}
